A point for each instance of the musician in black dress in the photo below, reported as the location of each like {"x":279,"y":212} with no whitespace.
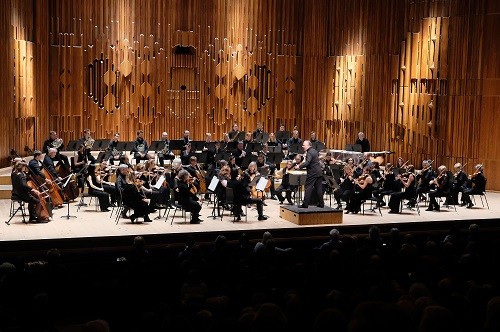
{"x":478,"y":182}
{"x":346,"y":187}
{"x":79,"y":165}
{"x":314,"y":180}
{"x":408,"y":183}
{"x":241,"y":193}
{"x":424,"y":178}
{"x":57,"y":143}
{"x":363,"y":141}
{"x":141,"y":147}
{"x":362,"y":190}
{"x":120,"y":184}
{"x":134,"y":198}
{"x":165,"y":153}
{"x":441,"y":188}
{"x":186,"y":196}
{"x":21,"y":190}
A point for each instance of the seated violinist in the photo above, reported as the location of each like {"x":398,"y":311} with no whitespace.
{"x":242,"y":194}
{"x":408,"y":183}
{"x":346,"y":187}
{"x":186,"y":196}
{"x":134,"y":198}
{"x":441,"y":188}
{"x":459,"y":184}
{"x":21,"y":191}
{"x":478,"y":186}
{"x":194,"y":171}
{"x":362,"y":190}
{"x":96,"y":189}
{"x":387,"y":185}
{"x":263,"y":164}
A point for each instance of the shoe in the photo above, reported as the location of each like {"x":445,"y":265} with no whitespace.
{"x":393,"y":212}
{"x":302,"y":206}
{"x":147,"y":219}
{"x":198,"y":220}
{"x":321,"y":205}
{"x":33,"y":220}
{"x":132,"y":220}
{"x":105,"y":210}
{"x":463,"y":204}
{"x":237,"y":218}
{"x":382,"y":204}
{"x":347,"y":211}
{"x":264,"y":203}
{"x":429,"y":209}
{"x":282,"y":201}
{"x":262,"y":218}
{"x":437,"y":208}
{"x":290,"y":202}
{"x":470,"y":205}
{"x":194,"y":222}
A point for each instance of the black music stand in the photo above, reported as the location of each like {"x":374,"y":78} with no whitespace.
{"x":176,"y":144}
{"x":197,"y":145}
{"x":155,"y":144}
{"x":282,"y":136}
{"x":275,"y":158}
{"x":261,"y":137}
{"x":202,"y":157}
{"x":211,"y":190}
{"x":230,"y":146}
{"x":241,"y":136}
{"x":64,"y":185}
{"x":318,"y":146}
{"x":296,"y":148}
{"x":247,"y":160}
{"x":353,"y":147}
{"x":72,"y":145}
{"x":121,"y":146}
{"x":297,"y":180}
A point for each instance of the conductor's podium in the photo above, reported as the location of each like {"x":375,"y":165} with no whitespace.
{"x":312,"y":215}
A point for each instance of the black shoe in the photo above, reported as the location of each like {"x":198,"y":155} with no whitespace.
{"x":198,"y":219}
{"x":393,"y":212}
{"x":470,"y":205}
{"x":262,"y":218}
{"x":282,"y":201}
{"x":105,"y":210}
{"x":437,"y":208}
{"x":429,"y":209}
{"x":33,"y":220}
{"x":132,"y":220}
{"x":463,"y":204}
{"x":237,"y":218}
{"x":302,"y":206}
{"x":146,"y":219}
{"x":290,"y":202}
{"x":194,"y":222}
{"x":347,"y":211}
{"x":321,"y":205}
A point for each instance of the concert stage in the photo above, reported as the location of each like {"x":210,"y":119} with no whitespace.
{"x":96,"y":231}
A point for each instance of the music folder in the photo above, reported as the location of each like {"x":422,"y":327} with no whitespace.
{"x":159,"y":183}
{"x":213,"y":184}
{"x":261,"y":184}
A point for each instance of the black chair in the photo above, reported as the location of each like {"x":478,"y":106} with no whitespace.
{"x":177,"y":207}
{"x":372,"y":201}
{"x":481,"y":196}
{"x":229,"y":202}
{"x":411,"y":203}
{"x":13,"y":210}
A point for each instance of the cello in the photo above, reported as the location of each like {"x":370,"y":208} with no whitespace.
{"x":70,"y":191}
{"x":53,"y":187}
{"x":43,"y":209}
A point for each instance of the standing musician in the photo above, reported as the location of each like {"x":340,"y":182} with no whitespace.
{"x":424,"y":178}
{"x":57,"y":143}
{"x":285,"y":184}
{"x":239,"y":154}
{"x":459,"y":182}
{"x":314,"y":179}
{"x":112,"y":152}
{"x":441,"y":188}
{"x":187,"y":140}
{"x":23,"y":192}
{"x":233,"y":134}
{"x":186,"y":196}
{"x":362,"y":190}
{"x":88,"y":143}
{"x":346,"y":187}
{"x":408,"y":183}
{"x":96,"y":189}
{"x":387,"y":185}
{"x":241,"y":191}
{"x":134,"y":198}
{"x":365,"y":144}
{"x":478,"y":186}
{"x":165,"y":153}
{"x":141,"y":147}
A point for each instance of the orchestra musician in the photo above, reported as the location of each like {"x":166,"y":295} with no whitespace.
{"x":36,"y":164}
{"x":112,"y":152}
{"x":346,"y":187}
{"x":21,"y":191}
{"x":262,"y":164}
{"x":186,"y":196}
{"x":295,"y":139}
{"x":387,"y":185}
{"x":48,"y":163}
{"x":79,"y":164}
{"x":408,"y":183}
{"x":316,"y":144}
{"x":248,"y":139}
{"x":225,"y":141}
{"x":281,"y":133}
{"x":258,"y":133}
{"x":272,"y":140}
{"x":233,"y":134}
{"x":241,"y":191}
{"x":96,"y":189}
{"x":239,"y":154}
{"x":442,"y":188}
{"x":186,"y":140}
{"x":134,"y":198}
{"x":362,"y":190}
{"x":186,"y":154}
{"x":120,"y":184}
{"x":478,"y":186}
{"x":459,"y":182}
{"x":193,"y":168}
{"x":285,"y":184}
{"x":314,"y":179}
{"x":363,"y":141}
{"x":88,"y":143}
{"x":424,"y":178}
{"x":141,"y":147}
{"x":57,"y":143}
{"x":147,"y":175}
{"x":165,"y":153}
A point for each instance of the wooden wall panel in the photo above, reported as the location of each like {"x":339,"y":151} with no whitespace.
{"x":421,"y":78}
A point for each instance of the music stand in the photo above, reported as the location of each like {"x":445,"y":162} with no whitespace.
{"x":197,"y":145}
{"x":65,"y":184}
{"x":296,"y":148}
{"x":298,"y":180}
{"x":72,"y":145}
{"x":247,"y":160}
{"x":154,"y":145}
{"x":282,"y":136}
{"x":176,"y":144}
{"x":241,"y":136}
{"x":230,"y":146}
{"x":202,"y":157}
{"x":211,"y":190}
{"x":275,"y":158}
{"x":353,"y":147}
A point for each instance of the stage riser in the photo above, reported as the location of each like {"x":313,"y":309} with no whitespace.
{"x":326,"y":217}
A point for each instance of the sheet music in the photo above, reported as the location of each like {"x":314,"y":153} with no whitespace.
{"x":159,"y":183}
{"x":261,"y":184}
{"x":213,"y":183}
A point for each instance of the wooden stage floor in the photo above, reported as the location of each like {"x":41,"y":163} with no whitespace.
{"x":92,"y":224}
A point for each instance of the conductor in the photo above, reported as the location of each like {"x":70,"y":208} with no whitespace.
{"x":314,"y":177}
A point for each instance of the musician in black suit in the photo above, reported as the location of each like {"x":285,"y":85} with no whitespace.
{"x":55,"y":142}
{"x":478,"y":186}
{"x":186,"y":140}
{"x":459,"y":183}
{"x":365,"y":144}
{"x":112,"y":152}
{"x":23,"y":192}
{"x":259,"y":132}
{"x":186,"y":198}
{"x":36,"y":164}
{"x":239,"y":154}
{"x":314,"y":180}
{"x":48,"y":163}
{"x":141,"y":147}
{"x":233,"y":134}
{"x":165,"y":153}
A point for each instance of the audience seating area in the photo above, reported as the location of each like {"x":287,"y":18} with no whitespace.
{"x":394,"y":281}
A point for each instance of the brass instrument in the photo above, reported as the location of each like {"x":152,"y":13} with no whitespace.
{"x":89,"y":142}
{"x":56,"y":144}
{"x":115,"y":153}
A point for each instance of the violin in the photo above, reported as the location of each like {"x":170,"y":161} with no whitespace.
{"x":192,"y":188}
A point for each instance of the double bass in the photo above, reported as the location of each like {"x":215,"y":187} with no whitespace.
{"x":43,"y":209}
{"x":53,"y":187}
{"x":70,"y":190}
